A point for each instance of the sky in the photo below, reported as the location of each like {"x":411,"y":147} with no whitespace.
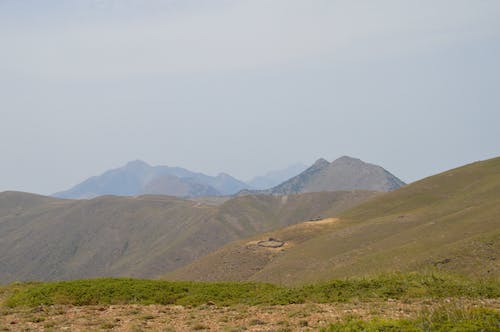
{"x":244,"y":86}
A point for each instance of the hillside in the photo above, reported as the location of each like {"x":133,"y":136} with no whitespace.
{"x":450,"y":221}
{"x":344,"y":173}
{"x":139,"y":178}
{"x":43,"y":238}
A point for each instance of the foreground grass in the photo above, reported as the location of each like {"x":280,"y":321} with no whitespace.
{"x":136,"y":291}
{"x":414,"y":315}
{"x":443,"y":319}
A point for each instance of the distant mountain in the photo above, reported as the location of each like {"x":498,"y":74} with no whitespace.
{"x":345,"y":173}
{"x":137,"y":178}
{"x":274,"y":178}
{"x":223,"y":183}
{"x":173,"y":186}
{"x":45,"y":238}
{"x":447,"y":222}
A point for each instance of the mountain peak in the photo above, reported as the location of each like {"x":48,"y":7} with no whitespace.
{"x":346,"y":160}
{"x":136,"y":164}
{"x":320,"y":163}
{"x":345,"y":173}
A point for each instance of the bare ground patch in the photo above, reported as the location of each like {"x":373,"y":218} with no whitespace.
{"x":320,"y":222}
{"x":296,"y":317}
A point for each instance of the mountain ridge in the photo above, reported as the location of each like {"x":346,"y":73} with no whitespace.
{"x":139,"y":178}
{"x":46,"y":238}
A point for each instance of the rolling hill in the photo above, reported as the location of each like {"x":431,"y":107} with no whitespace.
{"x":139,"y":178}
{"x":44,"y":238}
{"x":450,"y":222}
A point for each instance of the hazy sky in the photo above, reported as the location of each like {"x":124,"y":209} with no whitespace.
{"x":244,"y":86}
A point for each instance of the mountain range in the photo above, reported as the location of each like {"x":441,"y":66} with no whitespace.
{"x":138,"y":178}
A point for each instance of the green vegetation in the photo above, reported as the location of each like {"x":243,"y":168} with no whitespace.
{"x":444,"y":319}
{"x":401,"y":286}
{"x":128,"y":291}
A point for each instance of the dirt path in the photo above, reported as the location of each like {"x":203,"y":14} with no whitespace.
{"x":298,"y":317}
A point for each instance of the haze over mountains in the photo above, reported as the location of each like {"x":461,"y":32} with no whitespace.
{"x":139,"y":178}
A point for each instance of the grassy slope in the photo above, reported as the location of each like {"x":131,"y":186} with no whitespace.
{"x":240,"y":260}
{"x":450,"y":221}
{"x":42,"y":238}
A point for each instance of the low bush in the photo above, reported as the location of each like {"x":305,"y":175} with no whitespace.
{"x":128,"y":291}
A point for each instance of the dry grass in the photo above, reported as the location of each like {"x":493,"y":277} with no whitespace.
{"x":43,"y":238}
{"x":296,"y":317}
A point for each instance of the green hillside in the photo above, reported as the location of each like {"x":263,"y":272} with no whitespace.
{"x":450,"y":222}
